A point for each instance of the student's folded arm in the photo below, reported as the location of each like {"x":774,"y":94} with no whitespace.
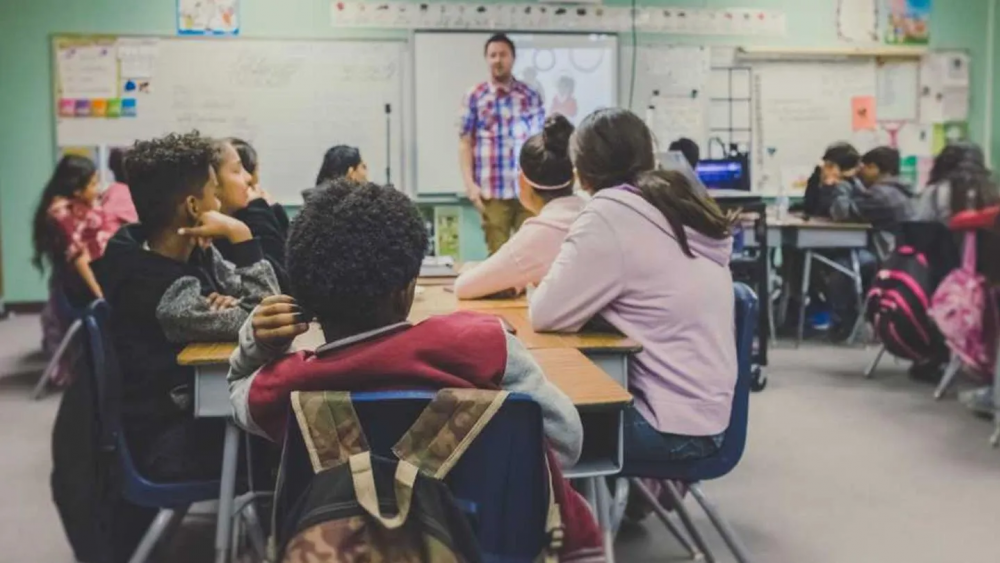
{"x":560,"y":419}
{"x":586,"y":276}
{"x":249,"y":277}
{"x":244,"y":365}
{"x":843,"y":206}
{"x":185,"y":315}
{"x":499,"y":272}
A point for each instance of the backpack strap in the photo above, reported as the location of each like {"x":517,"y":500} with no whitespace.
{"x":329,"y":426}
{"x":554,"y":528}
{"x":969,"y":252}
{"x":446,"y":429}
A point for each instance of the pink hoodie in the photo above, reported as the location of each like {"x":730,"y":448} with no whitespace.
{"x":622,"y":262}
{"x":527,"y":256}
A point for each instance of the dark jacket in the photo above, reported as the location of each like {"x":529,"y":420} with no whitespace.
{"x":885,"y":205}
{"x":269,"y":226}
{"x":158,"y":306}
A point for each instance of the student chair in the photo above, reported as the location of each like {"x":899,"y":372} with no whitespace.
{"x":500,"y":482}
{"x":174,"y":499}
{"x":65,"y":310}
{"x":692,"y":473}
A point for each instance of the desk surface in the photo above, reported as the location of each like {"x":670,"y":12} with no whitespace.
{"x":583,"y":381}
{"x":799,"y":222}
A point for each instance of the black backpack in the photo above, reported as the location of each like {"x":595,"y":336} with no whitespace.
{"x":100,"y":525}
{"x":900,"y":295}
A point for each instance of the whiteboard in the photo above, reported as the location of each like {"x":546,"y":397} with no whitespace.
{"x":291,"y":100}
{"x":800,"y":108}
{"x":448,"y":65}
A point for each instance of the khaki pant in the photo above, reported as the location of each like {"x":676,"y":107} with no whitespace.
{"x":501,"y":219}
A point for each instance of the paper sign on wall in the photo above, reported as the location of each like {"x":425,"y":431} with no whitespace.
{"x":863,"y":113}
{"x":87,"y":72}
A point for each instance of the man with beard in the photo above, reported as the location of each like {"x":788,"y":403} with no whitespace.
{"x":497,"y":117}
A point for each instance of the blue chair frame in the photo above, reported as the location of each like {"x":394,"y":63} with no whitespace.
{"x":693,"y":472}
{"x":500,"y":482}
{"x":77,"y":317}
{"x":172,"y":499}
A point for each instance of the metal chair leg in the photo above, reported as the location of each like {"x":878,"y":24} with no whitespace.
{"x":255,"y":532}
{"x":727,"y":533}
{"x":806,"y":272}
{"x":619,"y":501}
{"x":165,"y":520}
{"x":871,"y":367}
{"x":53,"y":364}
{"x":664,"y":517}
{"x":687,"y":521}
{"x":954,"y":365}
{"x":859,"y":289}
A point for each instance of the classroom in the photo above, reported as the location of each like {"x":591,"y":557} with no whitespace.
{"x":562,"y":280}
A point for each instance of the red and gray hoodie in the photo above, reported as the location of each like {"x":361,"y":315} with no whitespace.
{"x":463,"y":350}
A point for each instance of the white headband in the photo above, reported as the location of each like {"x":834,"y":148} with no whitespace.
{"x":541,"y":187}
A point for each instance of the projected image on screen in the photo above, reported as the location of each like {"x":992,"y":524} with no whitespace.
{"x":572,"y":80}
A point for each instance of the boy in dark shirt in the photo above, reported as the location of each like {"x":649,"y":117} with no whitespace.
{"x":884,"y":200}
{"x":167,"y":287}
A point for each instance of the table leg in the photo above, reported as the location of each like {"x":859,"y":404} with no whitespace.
{"x":227,"y":490}
{"x":806,"y":272}
{"x":603,"y":509}
{"x":859,"y":288}
{"x":769,"y":261}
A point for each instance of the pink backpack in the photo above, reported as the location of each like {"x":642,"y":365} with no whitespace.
{"x":964,"y":310}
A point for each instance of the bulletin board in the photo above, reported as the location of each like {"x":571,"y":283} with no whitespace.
{"x":290,"y":99}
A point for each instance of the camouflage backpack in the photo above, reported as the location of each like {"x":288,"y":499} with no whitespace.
{"x":348,"y":514}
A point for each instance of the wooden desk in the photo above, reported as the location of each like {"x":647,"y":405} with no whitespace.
{"x":599,"y":398}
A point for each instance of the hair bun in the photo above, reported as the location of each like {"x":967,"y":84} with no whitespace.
{"x":556,"y":134}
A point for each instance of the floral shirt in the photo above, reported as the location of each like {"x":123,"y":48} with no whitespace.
{"x":84,"y":226}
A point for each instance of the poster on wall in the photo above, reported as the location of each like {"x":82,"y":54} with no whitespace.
{"x":907,"y":22}
{"x":208,"y":17}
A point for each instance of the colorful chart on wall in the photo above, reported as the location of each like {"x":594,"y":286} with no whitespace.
{"x":907,"y":22}
{"x":208,"y":17}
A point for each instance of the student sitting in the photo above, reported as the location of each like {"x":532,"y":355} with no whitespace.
{"x":840,"y":164}
{"x":546,"y":183}
{"x":116,"y":199}
{"x":237,"y":169}
{"x":960,"y":181}
{"x":354,"y":254}
{"x":340,"y":161}
{"x":690,"y":150}
{"x":70,"y":231}
{"x":650,"y":256}
{"x":885,"y":200}
{"x":167,"y":289}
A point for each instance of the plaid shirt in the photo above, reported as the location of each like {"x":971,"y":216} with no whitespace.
{"x":500,"y":121}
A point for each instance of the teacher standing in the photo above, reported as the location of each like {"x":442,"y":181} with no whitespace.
{"x":498,"y":116}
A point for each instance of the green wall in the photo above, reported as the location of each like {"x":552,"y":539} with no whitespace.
{"x":26,"y":124}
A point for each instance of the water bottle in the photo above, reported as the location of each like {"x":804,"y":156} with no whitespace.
{"x":782,"y":203}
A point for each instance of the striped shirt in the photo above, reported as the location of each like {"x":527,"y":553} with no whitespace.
{"x":499,"y":119}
